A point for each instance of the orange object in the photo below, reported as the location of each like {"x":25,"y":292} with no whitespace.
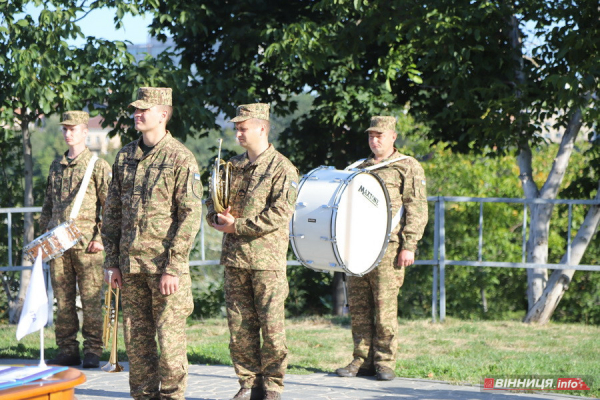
{"x":60,"y":386}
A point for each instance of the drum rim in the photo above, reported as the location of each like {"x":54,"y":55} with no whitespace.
{"x":332,"y":224}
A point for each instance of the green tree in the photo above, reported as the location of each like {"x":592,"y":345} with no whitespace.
{"x":463,"y":68}
{"x":49,"y":144}
{"x":11,"y":171}
{"x":191,"y":115}
{"x":40,"y":74}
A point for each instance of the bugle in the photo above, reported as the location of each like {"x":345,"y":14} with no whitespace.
{"x":111,"y":324}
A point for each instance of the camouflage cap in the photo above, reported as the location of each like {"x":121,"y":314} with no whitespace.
{"x":249,"y":111}
{"x":382,"y":124}
{"x":148,"y":97}
{"x":75,"y":118}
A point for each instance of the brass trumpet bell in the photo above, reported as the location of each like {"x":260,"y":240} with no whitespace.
{"x":111,"y":325}
{"x":220,"y":180}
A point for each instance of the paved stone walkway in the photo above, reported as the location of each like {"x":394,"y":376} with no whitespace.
{"x":218,"y":382}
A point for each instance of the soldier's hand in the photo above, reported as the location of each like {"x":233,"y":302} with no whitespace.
{"x":168,"y":284}
{"x":222,"y":217}
{"x":116,"y":280}
{"x":406,"y":258}
{"x":226,"y":222}
{"x":94,"y":247}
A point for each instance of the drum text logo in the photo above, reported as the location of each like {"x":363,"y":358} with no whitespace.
{"x":369,"y":196}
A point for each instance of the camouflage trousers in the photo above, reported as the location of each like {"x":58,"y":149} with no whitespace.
{"x":373,"y":300}
{"x":255,"y":304}
{"x":147,"y":315}
{"x":78,"y":269}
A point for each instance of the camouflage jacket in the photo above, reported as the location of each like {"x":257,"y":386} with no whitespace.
{"x":64,"y":181}
{"x":262,"y":199}
{"x":406,"y":185}
{"x":153,"y":209}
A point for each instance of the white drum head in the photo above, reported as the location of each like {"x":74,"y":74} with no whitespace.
{"x":361,"y":224}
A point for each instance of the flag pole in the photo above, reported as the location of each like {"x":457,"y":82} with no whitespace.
{"x":42,"y":363}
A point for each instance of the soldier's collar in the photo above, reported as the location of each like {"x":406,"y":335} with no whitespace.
{"x":84,"y":156}
{"x":244,"y":162}
{"x":262,"y":156}
{"x":139,"y":154}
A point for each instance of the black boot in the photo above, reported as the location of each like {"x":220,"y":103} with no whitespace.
{"x":90,"y":360}
{"x":66,"y":360}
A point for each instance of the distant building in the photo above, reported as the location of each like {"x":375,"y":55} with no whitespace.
{"x":152,"y":47}
{"x":550,"y":133}
{"x":98,"y":140}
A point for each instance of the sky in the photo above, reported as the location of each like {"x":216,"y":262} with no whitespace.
{"x":99,"y":23}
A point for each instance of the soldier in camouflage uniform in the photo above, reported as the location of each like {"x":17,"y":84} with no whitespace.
{"x":262,"y":199}
{"x":151,"y":218}
{"x":373,"y":297}
{"x":81,"y":265}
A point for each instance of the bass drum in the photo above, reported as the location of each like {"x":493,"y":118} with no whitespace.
{"x":342,"y":221}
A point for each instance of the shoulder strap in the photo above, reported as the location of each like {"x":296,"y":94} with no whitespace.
{"x":397,"y":217}
{"x":383,"y":164}
{"x":354,"y":164}
{"x":83,"y":188}
{"x":372,"y":167}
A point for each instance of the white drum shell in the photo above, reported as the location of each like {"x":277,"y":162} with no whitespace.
{"x":342,"y":221}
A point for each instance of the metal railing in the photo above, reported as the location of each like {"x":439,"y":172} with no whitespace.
{"x":438,"y":261}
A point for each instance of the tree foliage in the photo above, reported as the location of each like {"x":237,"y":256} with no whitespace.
{"x":453,"y":62}
{"x":482,"y":75}
{"x":40,"y":75}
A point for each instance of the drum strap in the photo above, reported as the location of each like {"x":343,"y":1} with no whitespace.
{"x":376,"y":166}
{"x":83,"y":188}
{"x":354,"y":164}
{"x":383,"y":164}
{"x":397,"y":217}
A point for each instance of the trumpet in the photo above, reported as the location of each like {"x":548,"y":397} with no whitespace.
{"x":111,"y":324}
{"x":220,"y":180}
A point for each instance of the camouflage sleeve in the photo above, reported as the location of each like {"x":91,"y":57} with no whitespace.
{"x":279,"y":210}
{"x":47,"y":207}
{"x":415,"y":206}
{"x":187,"y":195}
{"x":211,"y":213}
{"x":101,"y":180}
{"x":111,"y":218}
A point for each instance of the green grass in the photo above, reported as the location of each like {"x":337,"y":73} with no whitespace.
{"x":460,"y":352}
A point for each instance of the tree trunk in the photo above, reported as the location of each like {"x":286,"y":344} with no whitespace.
{"x":537,"y":251}
{"x":339,"y":297}
{"x":559,"y":281}
{"x":14,"y":312}
{"x":537,"y":245}
{"x":484,"y":305}
{"x":5,"y":183}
